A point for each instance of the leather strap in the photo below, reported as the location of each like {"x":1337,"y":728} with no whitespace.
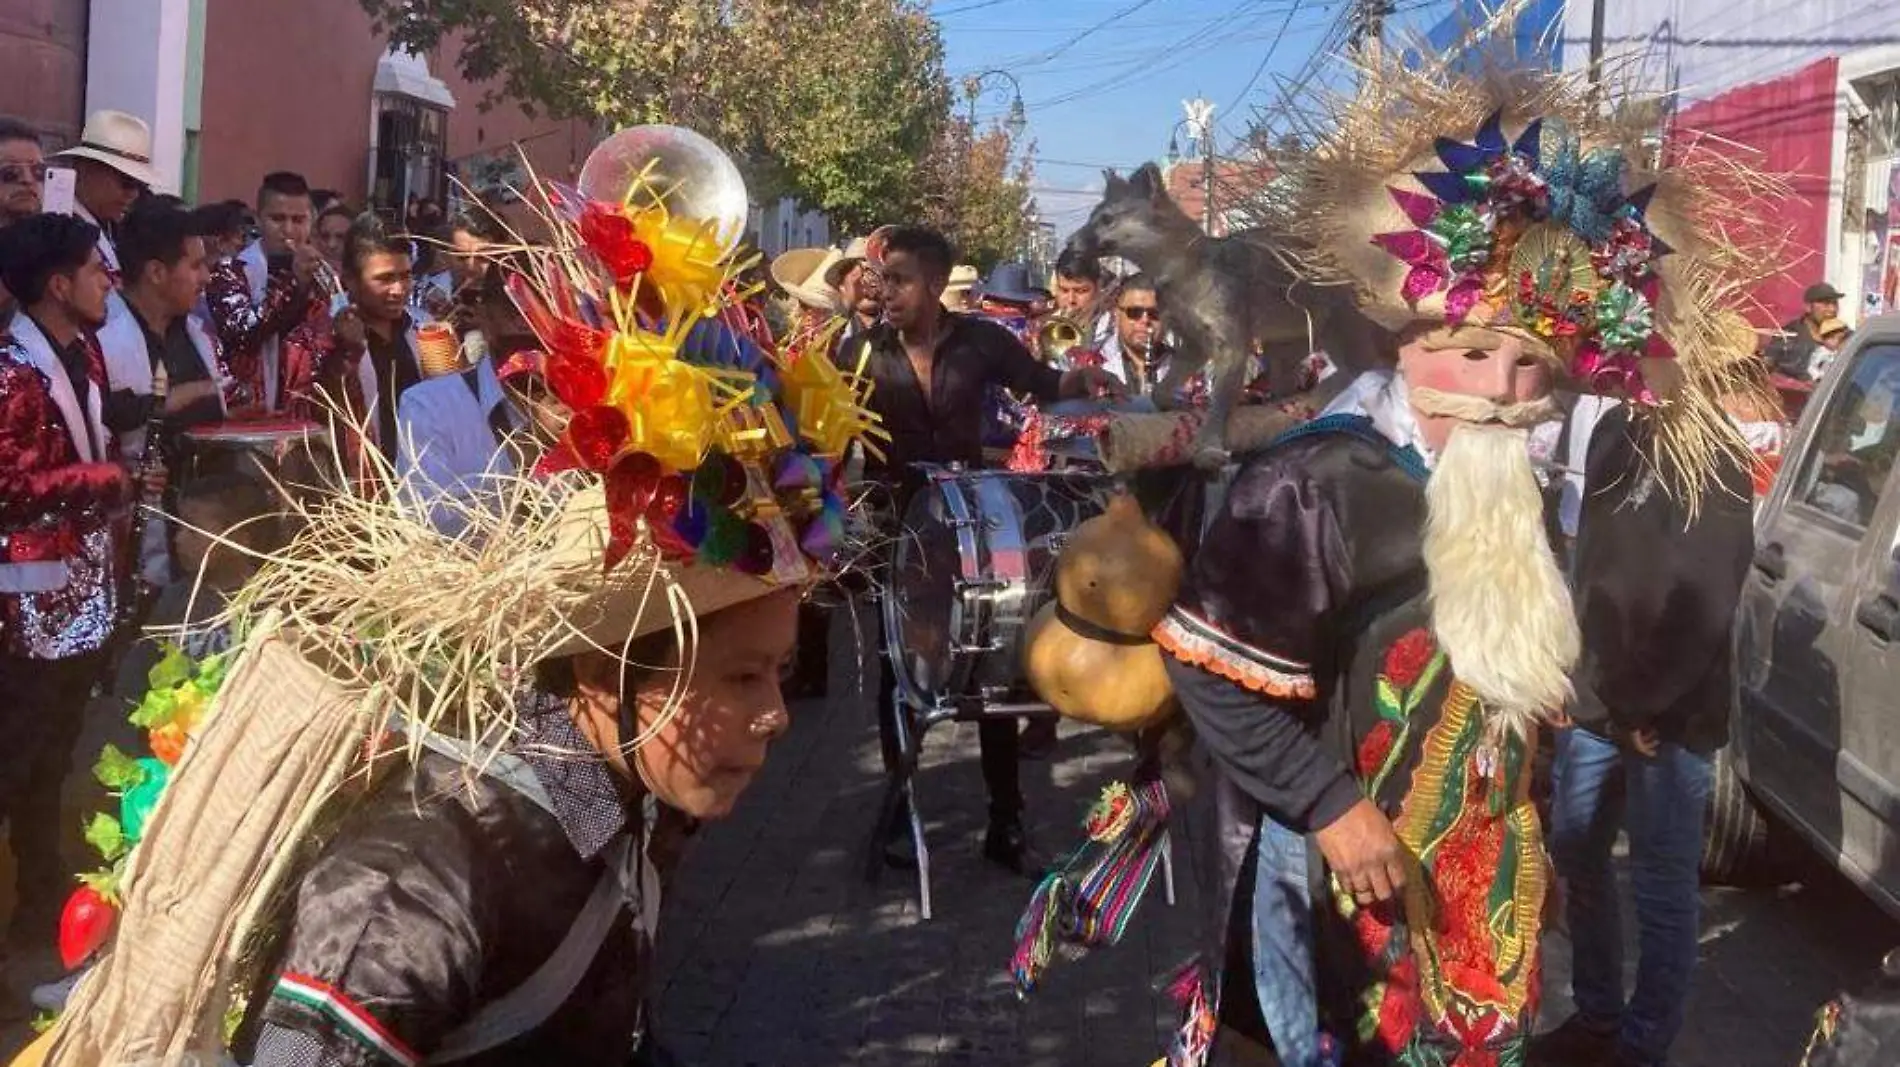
{"x":525,"y":1007}
{"x":1089,"y":630}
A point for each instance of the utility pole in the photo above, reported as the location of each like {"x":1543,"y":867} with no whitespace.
{"x":1369,"y":22}
{"x":1596,"y":43}
{"x":1200,"y":122}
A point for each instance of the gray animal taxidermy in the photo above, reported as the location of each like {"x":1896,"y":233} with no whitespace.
{"x":1222,"y":295}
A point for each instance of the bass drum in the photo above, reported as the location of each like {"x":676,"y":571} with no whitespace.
{"x":973,"y":562}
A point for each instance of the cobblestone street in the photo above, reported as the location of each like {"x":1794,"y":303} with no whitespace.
{"x":777,"y":954}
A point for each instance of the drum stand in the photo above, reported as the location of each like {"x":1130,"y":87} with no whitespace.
{"x":913,"y":718}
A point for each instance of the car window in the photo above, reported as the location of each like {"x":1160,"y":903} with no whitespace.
{"x":1854,"y":446}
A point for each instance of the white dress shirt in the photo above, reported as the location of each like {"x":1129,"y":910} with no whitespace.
{"x":447,"y":455}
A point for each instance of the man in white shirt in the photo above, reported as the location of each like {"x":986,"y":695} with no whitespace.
{"x":459,"y":434}
{"x":112,"y":166}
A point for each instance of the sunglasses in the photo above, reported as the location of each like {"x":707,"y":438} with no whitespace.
{"x":18,"y":173}
{"x":1140,"y":313}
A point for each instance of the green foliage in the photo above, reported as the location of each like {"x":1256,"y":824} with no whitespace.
{"x":843,"y":104}
{"x":117,"y":771}
{"x":106,"y":837}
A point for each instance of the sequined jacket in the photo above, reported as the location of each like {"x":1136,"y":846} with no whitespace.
{"x":252,"y":309}
{"x":58,"y":487}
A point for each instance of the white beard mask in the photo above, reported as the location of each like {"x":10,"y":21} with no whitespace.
{"x":1499,"y":604}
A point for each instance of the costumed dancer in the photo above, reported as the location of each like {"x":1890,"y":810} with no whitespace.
{"x":1373,"y":628}
{"x":411,"y":721}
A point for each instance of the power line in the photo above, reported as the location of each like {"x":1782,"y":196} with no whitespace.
{"x":977,"y":5}
{"x":1266,"y":59}
{"x":1097,"y":27}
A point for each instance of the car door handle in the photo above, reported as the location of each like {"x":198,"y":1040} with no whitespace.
{"x":1880,"y":614}
{"x":1772,"y":561}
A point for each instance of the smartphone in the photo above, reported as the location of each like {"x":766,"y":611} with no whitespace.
{"x":57,"y":197}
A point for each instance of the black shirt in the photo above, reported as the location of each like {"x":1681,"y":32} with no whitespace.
{"x":179,"y":356}
{"x":396,"y":370}
{"x":948,"y":426}
{"x":1657,"y":590}
{"x":175,"y":350}
{"x":77,"y":362}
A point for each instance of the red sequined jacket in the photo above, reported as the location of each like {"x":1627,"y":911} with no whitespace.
{"x":57,"y":560}
{"x":250,"y":320}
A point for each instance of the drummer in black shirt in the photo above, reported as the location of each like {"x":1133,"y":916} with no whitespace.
{"x":930,"y":371}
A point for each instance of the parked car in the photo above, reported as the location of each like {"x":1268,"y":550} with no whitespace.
{"x":1815,"y":753}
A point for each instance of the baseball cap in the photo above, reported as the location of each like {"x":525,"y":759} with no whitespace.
{"x":1821,"y":291}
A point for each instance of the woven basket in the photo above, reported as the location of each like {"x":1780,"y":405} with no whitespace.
{"x":279,"y":740}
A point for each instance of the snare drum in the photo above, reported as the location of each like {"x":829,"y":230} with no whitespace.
{"x":973,"y":563}
{"x":285,"y":448}
{"x":230,"y":488}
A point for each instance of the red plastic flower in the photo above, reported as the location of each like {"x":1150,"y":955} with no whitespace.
{"x":597,"y":434}
{"x":609,"y":233}
{"x":1407,"y":657}
{"x":579,"y":381}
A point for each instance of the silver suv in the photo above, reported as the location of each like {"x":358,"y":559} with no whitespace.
{"x":1816,"y":734}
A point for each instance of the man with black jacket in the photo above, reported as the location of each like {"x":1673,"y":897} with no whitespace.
{"x":1793,"y":351}
{"x":1657,"y":588}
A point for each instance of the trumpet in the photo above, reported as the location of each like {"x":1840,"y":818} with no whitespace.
{"x":1055,"y":337}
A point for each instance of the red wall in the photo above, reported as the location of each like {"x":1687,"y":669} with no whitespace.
{"x":287,"y":86}
{"x":43,"y":67}
{"x":1790,"y":121}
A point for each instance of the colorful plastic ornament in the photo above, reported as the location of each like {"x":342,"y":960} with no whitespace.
{"x":829,"y":407}
{"x":136,"y":803}
{"x":644,"y":167}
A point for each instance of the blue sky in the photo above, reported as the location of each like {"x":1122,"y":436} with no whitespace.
{"x":1103,"y":80}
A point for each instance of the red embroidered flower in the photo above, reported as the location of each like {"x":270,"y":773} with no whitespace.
{"x":609,"y":233}
{"x":1376,"y":746}
{"x":1407,"y":657}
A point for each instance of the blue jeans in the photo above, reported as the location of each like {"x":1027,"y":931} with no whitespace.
{"x":1285,"y":979}
{"x":1598,"y":787}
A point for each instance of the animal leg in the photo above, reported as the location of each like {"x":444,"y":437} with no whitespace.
{"x":1228,"y":376}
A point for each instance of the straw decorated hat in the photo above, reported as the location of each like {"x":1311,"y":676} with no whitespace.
{"x":1512,"y":200}
{"x":700,"y":467}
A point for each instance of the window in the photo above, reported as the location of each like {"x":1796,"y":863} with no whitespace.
{"x":410,"y":140}
{"x":1854,"y":446}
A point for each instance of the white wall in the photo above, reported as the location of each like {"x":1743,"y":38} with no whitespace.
{"x":785,"y":225}
{"x":1702,"y":47}
{"x":136,"y":57}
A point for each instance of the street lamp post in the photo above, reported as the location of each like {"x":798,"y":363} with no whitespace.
{"x":1018,"y":118}
{"x":1200,"y":124}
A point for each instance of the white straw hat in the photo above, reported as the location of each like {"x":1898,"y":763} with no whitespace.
{"x":120,"y":141}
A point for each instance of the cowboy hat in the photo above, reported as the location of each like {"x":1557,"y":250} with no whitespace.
{"x":118,"y":140}
{"x":963,"y":278}
{"x":856,"y":251}
{"x":802,"y":273}
{"x":1009,"y":283}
